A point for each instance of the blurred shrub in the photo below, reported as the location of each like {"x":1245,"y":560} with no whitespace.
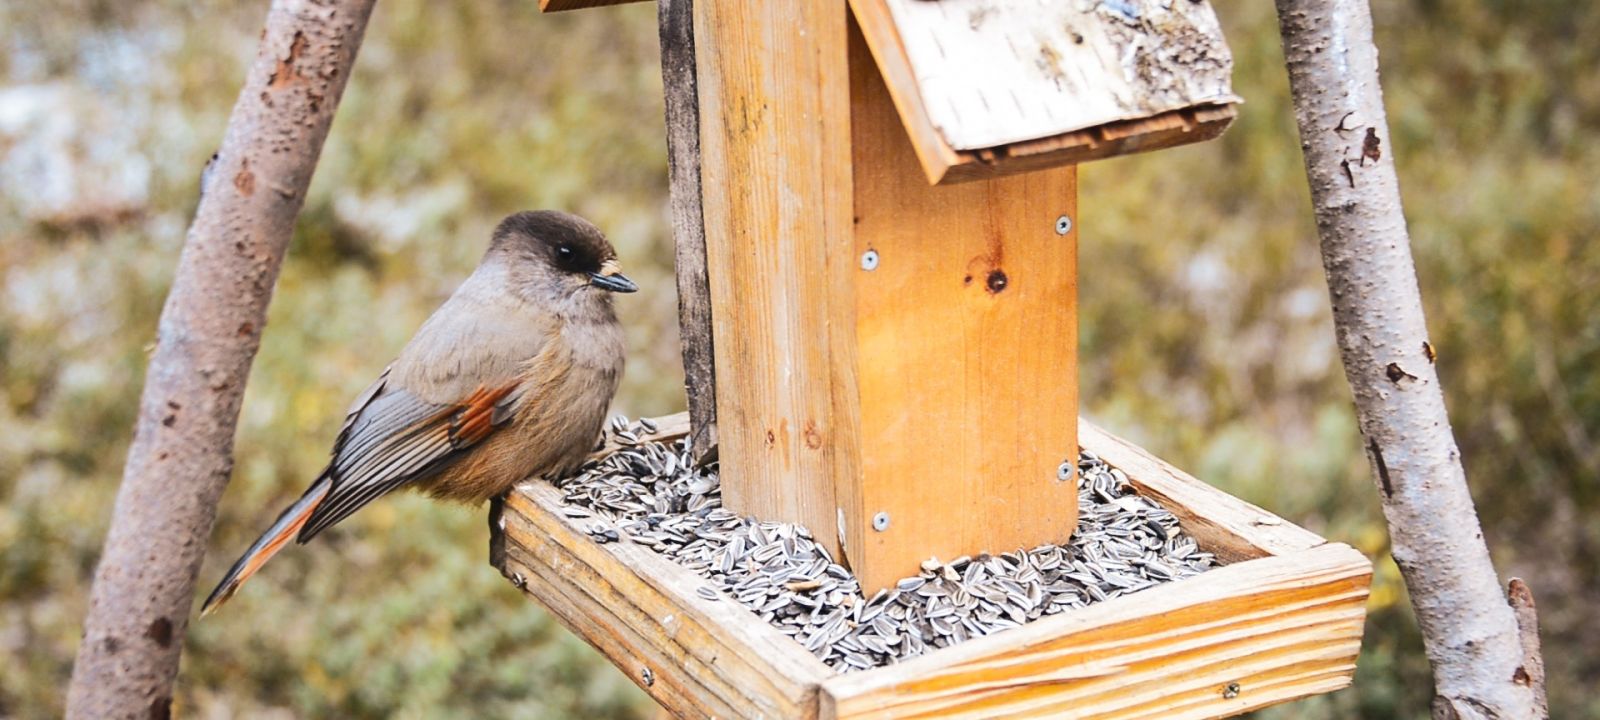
{"x":1206,"y":330}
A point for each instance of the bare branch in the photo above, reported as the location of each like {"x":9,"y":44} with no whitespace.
{"x":1521,"y":599}
{"x":1468,"y":629}
{"x":182,"y":451}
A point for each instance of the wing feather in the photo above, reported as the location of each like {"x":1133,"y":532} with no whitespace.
{"x":398,"y":438}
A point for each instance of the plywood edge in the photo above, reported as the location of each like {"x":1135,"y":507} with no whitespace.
{"x":1288,"y":623}
{"x":1229,"y":527}
{"x":1169,"y":129}
{"x":872,"y":17}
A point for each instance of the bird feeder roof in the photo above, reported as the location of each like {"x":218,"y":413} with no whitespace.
{"x":1015,"y":85}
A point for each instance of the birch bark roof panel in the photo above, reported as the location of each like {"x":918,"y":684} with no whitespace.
{"x":994,"y":72}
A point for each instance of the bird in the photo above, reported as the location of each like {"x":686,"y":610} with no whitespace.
{"x":510,"y":378}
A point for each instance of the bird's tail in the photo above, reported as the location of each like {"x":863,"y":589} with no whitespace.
{"x":268,"y":544}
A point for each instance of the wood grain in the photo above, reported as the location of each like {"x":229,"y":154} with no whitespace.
{"x":967,"y":332}
{"x":706,"y":658}
{"x":775,"y":166}
{"x":1282,"y":621}
{"x":1279,"y":627}
{"x":1229,"y":527}
{"x":676,"y":19}
{"x":1171,"y":129}
{"x":883,"y":39}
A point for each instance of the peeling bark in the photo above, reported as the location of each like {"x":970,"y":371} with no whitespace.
{"x":210,"y":329}
{"x":1469,"y":630}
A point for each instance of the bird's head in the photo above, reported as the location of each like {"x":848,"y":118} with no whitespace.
{"x":558,"y":256}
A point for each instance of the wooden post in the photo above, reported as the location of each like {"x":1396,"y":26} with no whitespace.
{"x":860,"y":312}
{"x":967,"y":330}
{"x":676,"y":19}
{"x":775,"y":171}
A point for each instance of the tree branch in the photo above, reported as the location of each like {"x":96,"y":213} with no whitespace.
{"x":1468,"y":629}
{"x":210,"y":329}
{"x":1521,"y":599}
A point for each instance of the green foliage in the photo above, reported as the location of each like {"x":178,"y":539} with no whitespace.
{"x":1206,"y":330}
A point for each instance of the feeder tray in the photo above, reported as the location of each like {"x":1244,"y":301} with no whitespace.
{"x":1280,"y":619}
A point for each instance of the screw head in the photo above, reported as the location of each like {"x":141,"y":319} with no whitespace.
{"x":869,"y":260}
{"x":648,"y":677}
{"x":1063,"y":225}
{"x":1231,"y":691}
{"x":880,"y":522}
{"x":1064,"y":472}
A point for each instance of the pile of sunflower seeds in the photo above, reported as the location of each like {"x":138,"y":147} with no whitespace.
{"x":649,"y":493}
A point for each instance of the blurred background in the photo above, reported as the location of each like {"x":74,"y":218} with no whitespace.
{"x":1207,"y":336}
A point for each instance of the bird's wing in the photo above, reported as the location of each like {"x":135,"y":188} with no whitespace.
{"x":390,"y":437}
{"x":454,"y":384}
{"x":395,"y":438}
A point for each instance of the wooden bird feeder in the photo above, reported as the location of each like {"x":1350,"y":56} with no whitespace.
{"x":875,"y":208}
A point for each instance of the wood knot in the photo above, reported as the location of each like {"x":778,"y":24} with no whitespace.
{"x":997,"y":281}
{"x":813,"y":439}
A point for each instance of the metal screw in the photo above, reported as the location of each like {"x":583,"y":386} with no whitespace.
{"x":1231,"y":691}
{"x":1064,"y":472}
{"x":1063,"y":225}
{"x":517,"y":581}
{"x":880,"y":522}
{"x":648,"y":677}
{"x":869,"y":260}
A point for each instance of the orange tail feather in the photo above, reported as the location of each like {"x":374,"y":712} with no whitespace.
{"x":267,"y":545}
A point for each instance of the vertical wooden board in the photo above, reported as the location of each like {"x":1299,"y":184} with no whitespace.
{"x":967,"y":334}
{"x":676,"y":20}
{"x":774,"y":121}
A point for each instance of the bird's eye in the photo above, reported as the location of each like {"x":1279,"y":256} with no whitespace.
{"x":565,"y":251}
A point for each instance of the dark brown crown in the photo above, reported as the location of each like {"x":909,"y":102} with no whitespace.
{"x":566,"y":241}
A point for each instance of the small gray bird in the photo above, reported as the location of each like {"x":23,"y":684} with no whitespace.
{"x":510,"y":378}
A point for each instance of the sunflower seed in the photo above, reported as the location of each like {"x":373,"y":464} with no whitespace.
{"x":649,"y":492}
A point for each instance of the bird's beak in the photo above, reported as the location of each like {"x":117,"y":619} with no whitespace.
{"x":611,"y":278}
